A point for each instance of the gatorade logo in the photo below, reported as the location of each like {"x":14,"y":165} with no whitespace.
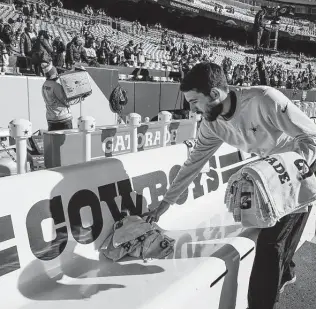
{"x":121,"y":142}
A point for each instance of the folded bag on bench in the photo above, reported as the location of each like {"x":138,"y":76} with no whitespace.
{"x":135,"y":237}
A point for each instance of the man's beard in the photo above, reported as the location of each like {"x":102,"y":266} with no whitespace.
{"x":212,"y":113}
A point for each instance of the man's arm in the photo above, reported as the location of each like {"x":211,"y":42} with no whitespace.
{"x":207,"y":144}
{"x":288,"y":118}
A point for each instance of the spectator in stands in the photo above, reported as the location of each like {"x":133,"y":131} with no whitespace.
{"x":4,"y":58}
{"x":138,"y":48}
{"x":27,"y":40}
{"x":17,"y":38}
{"x":89,"y":35}
{"x":75,"y":52}
{"x":33,"y":11}
{"x":141,"y":58}
{"x":227,"y":65}
{"x":59,"y":49}
{"x":1,"y":27}
{"x":8,"y":35}
{"x":97,"y":43}
{"x":58,"y":113}
{"x":129,"y":53}
{"x":173,"y":52}
{"x":20,"y":19}
{"x":42,"y":51}
{"x":289,"y":83}
{"x":59,"y":4}
{"x":26,"y":9}
{"x":18,"y":4}
{"x":105,"y":50}
{"x":91,"y":54}
{"x":258,"y":28}
{"x":40,"y":10}
{"x":48,"y":12}
{"x":269,"y":123}
{"x":84,"y":28}
{"x":115,"y":57}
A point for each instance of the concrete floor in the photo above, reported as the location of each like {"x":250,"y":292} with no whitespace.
{"x":302,"y":294}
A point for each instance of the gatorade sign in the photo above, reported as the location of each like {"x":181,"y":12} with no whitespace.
{"x":121,"y":142}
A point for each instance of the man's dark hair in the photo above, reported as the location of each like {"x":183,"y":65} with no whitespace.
{"x":203,"y":77}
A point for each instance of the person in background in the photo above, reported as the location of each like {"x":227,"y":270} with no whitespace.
{"x":20,"y":19}
{"x":27,"y":40}
{"x":75,"y":52}
{"x":59,"y":49}
{"x":105,"y":50}
{"x":259,"y":120}
{"x":58,"y":113}
{"x":91,"y":54}
{"x":115,"y":57}
{"x":1,"y":27}
{"x":4,"y":58}
{"x":26,"y":9}
{"x":42,"y":51}
{"x":129,"y":52}
{"x":33,"y":10}
{"x":8,"y":35}
{"x":258,"y":28}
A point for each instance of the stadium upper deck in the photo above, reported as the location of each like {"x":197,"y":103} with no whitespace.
{"x":306,"y":8}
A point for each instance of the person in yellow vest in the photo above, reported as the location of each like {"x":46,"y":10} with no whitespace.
{"x":58,"y":113}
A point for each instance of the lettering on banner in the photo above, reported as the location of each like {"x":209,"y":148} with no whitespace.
{"x":151,"y":181}
{"x":126,"y":192}
{"x":122,"y":142}
{"x":79,"y":200}
{"x":108,"y":194}
{"x":47,"y":209}
{"x":86,"y":231}
{"x":9,"y":258}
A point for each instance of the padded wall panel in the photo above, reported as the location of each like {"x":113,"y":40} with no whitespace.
{"x":14,"y":102}
{"x":97,"y":104}
{"x":171,"y":96}
{"x":147,"y":97}
{"x":105,"y":79}
{"x":37,"y":104}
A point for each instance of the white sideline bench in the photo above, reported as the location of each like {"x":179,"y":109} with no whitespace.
{"x":176,"y":283}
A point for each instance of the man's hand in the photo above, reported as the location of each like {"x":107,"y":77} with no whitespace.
{"x":154,"y":215}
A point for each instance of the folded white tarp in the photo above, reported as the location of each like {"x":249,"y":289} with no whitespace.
{"x":263,"y":192}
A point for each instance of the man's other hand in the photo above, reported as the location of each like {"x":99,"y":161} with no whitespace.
{"x":154,"y":215}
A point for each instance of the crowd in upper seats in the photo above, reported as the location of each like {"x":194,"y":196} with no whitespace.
{"x":29,"y":42}
{"x":36,"y":46}
{"x":276,"y":75}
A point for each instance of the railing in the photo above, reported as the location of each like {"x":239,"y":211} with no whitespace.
{"x":21,"y":130}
